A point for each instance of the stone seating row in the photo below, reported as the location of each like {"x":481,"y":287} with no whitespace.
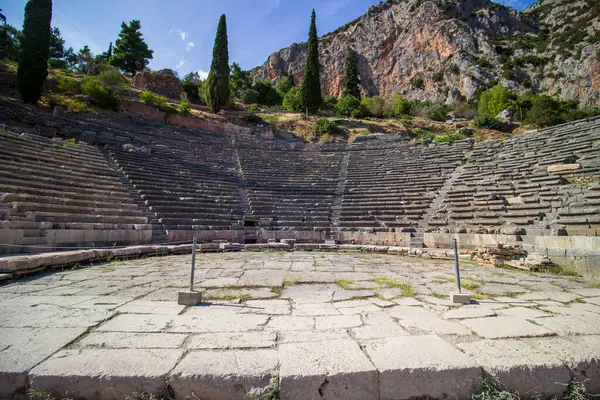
{"x":56,"y":194}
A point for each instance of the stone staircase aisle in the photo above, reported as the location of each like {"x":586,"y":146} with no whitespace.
{"x":250,"y":225}
{"x":416,"y":239}
{"x":159,"y":234}
{"x":336,"y":206}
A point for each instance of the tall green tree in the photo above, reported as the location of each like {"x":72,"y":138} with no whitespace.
{"x":57,"y":44}
{"x":35,"y":49}
{"x":238,"y":80}
{"x":217,"y":84}
{"x":84,"y":59}
{"x":131,"y":53}
{"x":310,"y":91}
{"x":104,"y":57}
{"x":10,"y":41}
{"x":285,"y":84}
{"x":351,"y":78}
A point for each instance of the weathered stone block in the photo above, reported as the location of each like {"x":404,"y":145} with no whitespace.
{"x":419,"y":366}
{"x":189,"y":298}
{"x":333,"y":370}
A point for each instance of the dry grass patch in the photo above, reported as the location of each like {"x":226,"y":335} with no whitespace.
{"x":407,"y":289}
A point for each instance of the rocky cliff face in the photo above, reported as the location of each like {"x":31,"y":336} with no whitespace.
{"x":441,"y":50}
{"x":571,"y":34}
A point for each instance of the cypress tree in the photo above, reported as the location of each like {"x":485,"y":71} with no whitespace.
{"x":310,"y":91}
{"x":35,"y":49}
{"x":217,"y":83}
{"x":351,"y":79}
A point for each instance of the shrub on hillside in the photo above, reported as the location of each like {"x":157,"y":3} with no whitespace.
{"x":291,"y":100}
{"x":400,"y":106}
{"x":324,"y":126}
{"x":52,"y":99}
{"x":253,"y":107}
{"x":68,"y":85}
{"x":285,"y":84}
{"x":154,"y":100}
{"x":449,"y":138}
{"x":375,"y":106}
{"x":110,"y":76}
{"x":487,"y":122}
{"x":495,"y":100}
{"x":329,"y":103}
{"x":254,"y":119}
{"x":545,"y":111}
{"x":190,"y":88}
{"x":249,"y":96}
{"x":434,"y":112}
{"x":349,"y":106}
{"x":417,"y":82}
{"x":184,"y":107}
{"x":267,"y":93}
{"x":104,"y":96}
{"x":462,"y":110}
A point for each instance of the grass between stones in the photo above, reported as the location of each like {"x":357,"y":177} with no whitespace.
{"x":344,"y":283}
{"x":493,"y":390}
{"x":272,"y":391}
{"x":469,"y":285}
{"x":290,"y":282}
{"x":406,"y":288}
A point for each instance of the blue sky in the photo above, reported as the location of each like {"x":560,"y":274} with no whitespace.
{"x":181,"y":32}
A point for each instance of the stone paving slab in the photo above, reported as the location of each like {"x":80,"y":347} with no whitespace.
{"x":520,"y":367}
{"x":323,"y":327}
{"x":572,"y":325}
{"x":580,"y":353}
{"x":417,"y":366}
{"x":24,"y":348}
{"x":233,"y":340}
{"x":234,"y":374}
{"x":334,"y":369}
{"x":104,"y":374}
{"x":505,"y":327}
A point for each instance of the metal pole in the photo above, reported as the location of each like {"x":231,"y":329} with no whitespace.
{"x":193,"y":265}
{"x":456,"y":269}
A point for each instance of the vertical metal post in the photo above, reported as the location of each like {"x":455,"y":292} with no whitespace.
{"x":456,"y":269}
{"x":193,"y":265}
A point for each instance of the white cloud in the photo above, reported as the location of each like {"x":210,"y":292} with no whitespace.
{"x":181,"y":33}
{"x":181,"y":62}
{"x":203,"y":74}
{"x":189,"y":46}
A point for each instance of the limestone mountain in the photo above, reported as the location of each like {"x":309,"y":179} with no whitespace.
{"x":450,"y":49}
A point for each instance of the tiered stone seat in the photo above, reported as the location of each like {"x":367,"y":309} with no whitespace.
{"x":289,"y":186}
{"x":62,"y":194}
{"x":191,"y":188}
{"x":508,"y":188}
{"x":391,"y":188}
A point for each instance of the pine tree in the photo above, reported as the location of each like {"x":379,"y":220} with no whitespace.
{"x":310,"y":91}
{"x":351,"y":79}
{"x":238,"y":80}
{"x":35,"y":49}
{"x":131,"y":53}
{"x":217,"y":83}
